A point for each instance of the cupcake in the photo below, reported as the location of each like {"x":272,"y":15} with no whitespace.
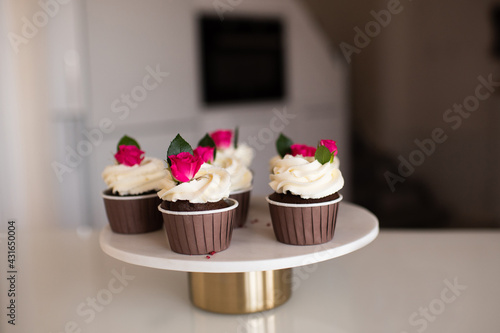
{"x":241,"y":185}
{"x":236,"y":159}
{"x":130,"y":199}
{"x":197,"y":213}
{"x":306,"y":183}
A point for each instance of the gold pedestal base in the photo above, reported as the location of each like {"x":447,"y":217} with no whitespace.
{"x":238,"y":293}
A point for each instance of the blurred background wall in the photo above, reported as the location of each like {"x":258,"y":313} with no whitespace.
{"x":27,"y":191}
{"x":426,"y":58}
{"x":100,"y":55}
{"x":393,"y":87}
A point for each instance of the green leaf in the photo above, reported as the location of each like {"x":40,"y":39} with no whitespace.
{"x":177,"y":146}
{"x":322,"y":155}
{"x":127,"y":141}
{"x":236,"y":134}
{"x":207,"y":141}
{"x":283,"y":145}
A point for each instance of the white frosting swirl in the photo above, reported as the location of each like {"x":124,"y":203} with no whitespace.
{"x":310,"y":180}
{"x":275,"y":159}
{"x":210,"y":184}
{"x":244,"y":153}
{"x":241,"y":176}
{"x":148,"y":176}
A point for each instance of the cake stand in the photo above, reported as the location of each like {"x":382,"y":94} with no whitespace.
{"x":255,"y":273}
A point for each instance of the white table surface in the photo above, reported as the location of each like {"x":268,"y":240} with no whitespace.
{"x":379,"y":288}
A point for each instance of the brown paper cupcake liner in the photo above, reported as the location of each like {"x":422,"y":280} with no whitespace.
{"x":132,"y":214}
{"x":199,"y":232}
{"x":241,"y":214}
{"x":304,"y":224}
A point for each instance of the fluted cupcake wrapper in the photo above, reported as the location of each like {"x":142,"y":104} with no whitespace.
{"x":304,"y":224}
{"x":241,"y":214}
{"x":199,"y":232}
{"x":132,"y":214}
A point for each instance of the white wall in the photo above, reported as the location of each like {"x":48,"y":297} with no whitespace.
{"x":27,"y":190}
{"x":127,"y":36}
{"x":10,"y":197}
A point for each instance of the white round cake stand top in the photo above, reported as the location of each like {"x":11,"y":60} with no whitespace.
{"x":253,"y":248}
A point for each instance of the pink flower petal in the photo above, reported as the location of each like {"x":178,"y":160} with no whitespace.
{"x":184,"y":166}
{"x":222,"y":138}
{"x":129,"y":155}
{"x":206,"y":153}
{"x":330,"y":144}
{"x":304,"y":150}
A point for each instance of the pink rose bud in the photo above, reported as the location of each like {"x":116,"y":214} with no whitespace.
{"x":205,"y":153}
{"x":303,"y":150}
{"x":330,"y":144}
{"x":222,"y":138}
{"x":184,"y":166}
{"x":129,"y":155}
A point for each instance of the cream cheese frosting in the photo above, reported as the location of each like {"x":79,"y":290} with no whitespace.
{"x":241,"y":176}
{"x":244,"y":153}
{"x":150,"y":175}
{"x":299,"y":175}
{"x":210,"y":184}
{"x":275,"y":159}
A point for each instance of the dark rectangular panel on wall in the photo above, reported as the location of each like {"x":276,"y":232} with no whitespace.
{"x":242,"y":59}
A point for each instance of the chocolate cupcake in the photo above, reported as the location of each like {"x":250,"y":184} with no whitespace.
{"x":199,"y":231}
{"x":235,"y":158}
{"x":306,"y":181}
{"x":197,"y":213}
{"x":241,"y":185}
{"x":130,"y":200}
